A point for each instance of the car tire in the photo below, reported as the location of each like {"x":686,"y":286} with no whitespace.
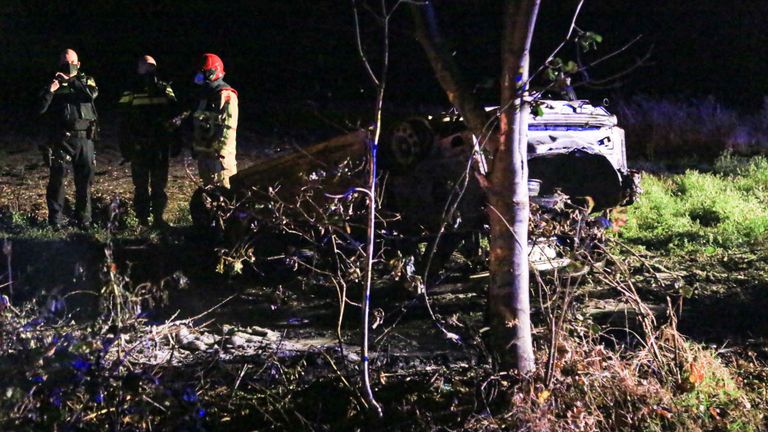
{"x":408,"y":143}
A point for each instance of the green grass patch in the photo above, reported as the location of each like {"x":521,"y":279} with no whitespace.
{"x":179,"y":215}
{"x":703,"y":212}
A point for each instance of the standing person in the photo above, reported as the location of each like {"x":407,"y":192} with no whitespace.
{"x":69,"y":100}
{"x":215,"y":124}
{"x":145,"y":140}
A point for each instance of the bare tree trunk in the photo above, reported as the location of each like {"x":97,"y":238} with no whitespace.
{"x":509,"y":312}
{"x":507,"y":182}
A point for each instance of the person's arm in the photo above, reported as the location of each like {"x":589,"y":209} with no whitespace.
{"x":46,"y":96}
{"x":229,"y":115}
{"x":167,"y":91}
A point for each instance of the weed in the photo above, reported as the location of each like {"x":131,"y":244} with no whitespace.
{"x":180,"y":214}
{"x":709,"y":393}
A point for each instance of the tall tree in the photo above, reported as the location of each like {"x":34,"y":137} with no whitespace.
{"x":508,"y":293}
{"x":506,"y":183}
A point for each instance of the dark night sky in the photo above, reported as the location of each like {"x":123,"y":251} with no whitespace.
{"x":283,"y":53}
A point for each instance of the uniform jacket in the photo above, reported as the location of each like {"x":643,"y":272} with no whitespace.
{"x":145,"y":111}
{"x":71,"y":105}
{"x":215,"y":119}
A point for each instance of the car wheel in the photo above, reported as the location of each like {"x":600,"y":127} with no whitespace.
{"x":410,"y":142}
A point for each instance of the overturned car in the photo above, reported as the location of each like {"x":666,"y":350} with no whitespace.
{"x":577,"y":167}
{"x":574,"y":148}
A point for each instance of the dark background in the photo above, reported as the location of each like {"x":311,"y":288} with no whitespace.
{"x":288,"y":56}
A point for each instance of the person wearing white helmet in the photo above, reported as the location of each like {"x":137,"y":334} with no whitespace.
{"x":146,"y":141}
{"x":68,"y":100}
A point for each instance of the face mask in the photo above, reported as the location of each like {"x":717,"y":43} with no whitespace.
{"x":69,"y":69}
{"x":199,"y":78}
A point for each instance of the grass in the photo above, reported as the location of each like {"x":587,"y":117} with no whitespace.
{"x":711,"y":394}
{"x":178,"y":214}
{"x":703,"y":212}
{"x":710,"y":226}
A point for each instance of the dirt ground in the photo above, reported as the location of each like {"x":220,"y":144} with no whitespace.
{"x":23,"y":179}
{"x":183,"y":253}
{"x":181,"y":257}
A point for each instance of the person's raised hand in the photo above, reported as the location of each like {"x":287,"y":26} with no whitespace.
{"x":55,"y":84}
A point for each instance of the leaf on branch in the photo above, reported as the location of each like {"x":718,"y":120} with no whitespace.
{"x":543,"y":396}
{"x":571,"y":67}
{"x":588,"y":40}
{"x":554,"y":63}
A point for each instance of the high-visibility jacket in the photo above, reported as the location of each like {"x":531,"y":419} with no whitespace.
{"x":145,"y":112}
{"x":215,"y":120}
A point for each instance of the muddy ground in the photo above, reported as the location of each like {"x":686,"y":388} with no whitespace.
{"x":182,"y":261}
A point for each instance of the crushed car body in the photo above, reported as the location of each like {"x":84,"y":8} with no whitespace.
{"x":579,"y":149}
{"x":577,"y":167}
{"x":574,"y":148}
{"x":577,"y":164}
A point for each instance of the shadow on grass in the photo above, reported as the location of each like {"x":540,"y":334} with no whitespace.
{"x":736,"y":317}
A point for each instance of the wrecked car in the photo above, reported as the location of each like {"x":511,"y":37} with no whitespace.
{"x":579,"y":149}
{"x":574,"y":148}
{"x":577,"y":166}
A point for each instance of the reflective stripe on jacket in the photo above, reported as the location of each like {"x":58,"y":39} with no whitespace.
{"x":145,"y":98}
{"x":145,"y":111}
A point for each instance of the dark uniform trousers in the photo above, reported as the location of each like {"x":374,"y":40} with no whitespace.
{"x":149,"y":170}
{"x":83,"y":166}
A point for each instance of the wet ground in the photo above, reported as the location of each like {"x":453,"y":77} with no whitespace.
{"x":182,"y":262}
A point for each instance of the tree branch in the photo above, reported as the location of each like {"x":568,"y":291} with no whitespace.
{"x":360,"y":49}
{"x":562,"y":44}
{"x":446,"y":70}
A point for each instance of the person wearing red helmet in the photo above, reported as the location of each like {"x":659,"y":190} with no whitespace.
{"x":215,"y":124}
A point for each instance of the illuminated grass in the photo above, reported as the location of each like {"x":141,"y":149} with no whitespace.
{"x":703,"y":212}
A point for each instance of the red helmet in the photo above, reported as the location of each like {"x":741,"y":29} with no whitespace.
{"x":213,"y":67}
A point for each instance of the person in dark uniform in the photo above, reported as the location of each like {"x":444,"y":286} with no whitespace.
{"x":69,"y":101}
{"x":145,"y":140}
